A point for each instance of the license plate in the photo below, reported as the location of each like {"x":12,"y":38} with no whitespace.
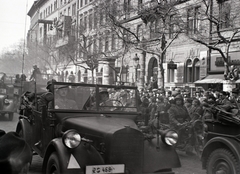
{"x":105,"y":169}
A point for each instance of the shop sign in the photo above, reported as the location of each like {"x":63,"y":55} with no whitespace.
{"x":228,"y":85}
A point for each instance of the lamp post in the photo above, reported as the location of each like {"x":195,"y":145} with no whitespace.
{"x":136,"y":65}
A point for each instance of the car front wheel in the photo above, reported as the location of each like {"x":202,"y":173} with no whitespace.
{"x":222,"y":161}
{"x":53,"y":164}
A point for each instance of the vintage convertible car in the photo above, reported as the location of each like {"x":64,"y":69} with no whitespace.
{"x":221,"y":153}
{"x":88,"y":128}
{"x":7,"y":104}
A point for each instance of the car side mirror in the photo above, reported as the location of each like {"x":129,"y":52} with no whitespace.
{"x":49,"y":96}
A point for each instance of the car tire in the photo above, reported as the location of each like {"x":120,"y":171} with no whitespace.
{"x":10,"y":116}
{"x":222,"y":161}
{"x":53,"y":166}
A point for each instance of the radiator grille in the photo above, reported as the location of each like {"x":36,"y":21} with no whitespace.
{"x":127,"y":148}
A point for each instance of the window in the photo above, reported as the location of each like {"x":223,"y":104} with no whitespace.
{"x":94,"y":45}
{"x":196,"y":70}
{"x":86,"y":2}
{"x":85,"y":22}
{"x":126,"y":6}
{"x":113,"y":42}
{"x":189,"y":71}
{"x":100,"y":45}
{"x":69,"y":11}
{"x":224,"y":14}
{"x":139,"y":3}
{"x":90,"y":21}
{"x":193,"y":21}
{"x":74,"y":9}
{"x":101,"y":18}
{"x":41,"y":32}
{"x":81,"y":3}
{"x":106,"y":43}
{"x":95,"y":20}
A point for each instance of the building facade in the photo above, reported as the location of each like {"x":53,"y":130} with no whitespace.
{"x":100,"y":57}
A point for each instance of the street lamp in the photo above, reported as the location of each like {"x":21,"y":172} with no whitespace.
{"x":136,"y":65}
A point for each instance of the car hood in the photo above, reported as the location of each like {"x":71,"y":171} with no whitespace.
{"x":97,"y":125}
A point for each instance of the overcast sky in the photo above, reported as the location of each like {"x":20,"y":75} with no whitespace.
{"x":13,"y":14}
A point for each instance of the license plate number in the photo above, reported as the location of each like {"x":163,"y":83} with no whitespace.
{"x":105,"y":169}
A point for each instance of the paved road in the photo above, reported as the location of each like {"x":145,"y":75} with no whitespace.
{"x":190,"y":164}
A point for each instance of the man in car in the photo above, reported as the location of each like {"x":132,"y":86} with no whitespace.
{"x":61,"y":99}
{"x":42,"y":101}
{"x":104,"y":102}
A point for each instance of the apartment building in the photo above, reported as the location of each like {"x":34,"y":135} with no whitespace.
{"x":185,"y":61}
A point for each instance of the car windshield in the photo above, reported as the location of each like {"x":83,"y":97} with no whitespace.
{"x":94,"y":97}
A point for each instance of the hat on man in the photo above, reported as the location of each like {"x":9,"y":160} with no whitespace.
{"x":103,"y":90}
{"x":178,"y":97}
{"x":49,"y":82}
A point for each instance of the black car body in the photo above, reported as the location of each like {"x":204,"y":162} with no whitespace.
{"x":95,"y":136}
{"x":221,"y":153}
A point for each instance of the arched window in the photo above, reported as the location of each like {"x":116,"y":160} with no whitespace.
{"x":79,"y":76}
{"x":196,"y":66}
{"x":189,"y":71}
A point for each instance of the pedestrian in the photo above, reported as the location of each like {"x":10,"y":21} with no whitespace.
{"x":23,"y":77}
{"x":153,"y":84}
{"x":196,"y":110}
{"x":71,"y":77}
{"x":17,"y":78}
{"x":35,"y":73}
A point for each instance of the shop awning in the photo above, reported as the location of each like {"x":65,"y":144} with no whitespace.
{"x":214,"y":78}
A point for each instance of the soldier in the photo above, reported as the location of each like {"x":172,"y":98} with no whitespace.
{"x":36,"y":71}
{"x":178,"y":116}
{"x":178,"y":113}
{"x":42,"y":101}
{"x":61,"y":100}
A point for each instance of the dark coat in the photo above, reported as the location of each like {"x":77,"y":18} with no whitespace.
{"x":177,"y":114}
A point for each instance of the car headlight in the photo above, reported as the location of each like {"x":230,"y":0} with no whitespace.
{"x":169,"y":137}
{"x":71,"y":139}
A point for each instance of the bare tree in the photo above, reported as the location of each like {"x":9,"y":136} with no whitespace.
{"x":220,"y":18}
{"x":159,"y":19}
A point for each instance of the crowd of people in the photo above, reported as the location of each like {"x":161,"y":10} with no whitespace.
{"x":177,"y":106}
{"x":160,"y":101}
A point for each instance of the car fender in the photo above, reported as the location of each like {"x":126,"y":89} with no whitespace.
{"x":159,"y":157}
{"x":220,"y":142}
{"x":72,"y":160}
{"x":25,"y":126}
